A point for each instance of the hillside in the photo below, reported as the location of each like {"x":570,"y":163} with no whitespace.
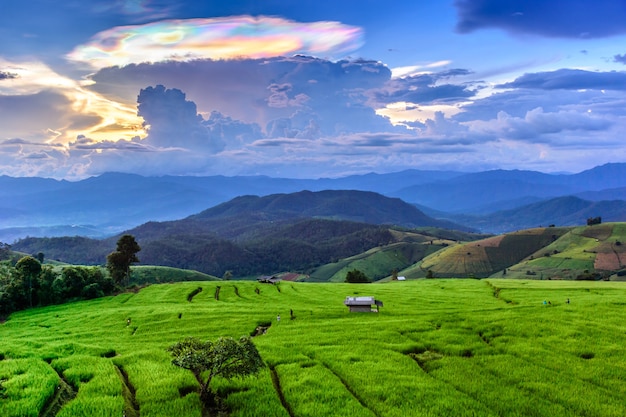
{"x":437,"y":348}
{"x":257,"y":235}
{"x":584,"y":252}
{"x":589,"y":252}
{"x":350,"y":205}
{"x":560,"y":211}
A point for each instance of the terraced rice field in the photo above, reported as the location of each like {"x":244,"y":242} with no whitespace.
{"x":437,"y":348}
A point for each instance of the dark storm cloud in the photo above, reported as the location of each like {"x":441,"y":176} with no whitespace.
{"x":564,"y":19}
{"x":620,"y":58}
{"x":7,"y":75}
{"x":172,"y":120}
{"x":570,"y":79}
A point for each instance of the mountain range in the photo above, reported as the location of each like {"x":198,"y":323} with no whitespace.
{"x":254,"y":235}
{"x":490,"y":201}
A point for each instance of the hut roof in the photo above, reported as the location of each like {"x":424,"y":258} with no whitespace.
{"x":362,"y":301}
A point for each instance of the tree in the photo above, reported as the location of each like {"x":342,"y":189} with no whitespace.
{"x":29,"y":268}
{"x":118,"y":262}
{"x":394,"y":274}
{"x":5,"y":251}
{"x":225,"y":357}
{"x":594,"y":220}
{"x":356,"y":276}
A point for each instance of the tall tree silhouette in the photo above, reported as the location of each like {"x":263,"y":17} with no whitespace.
{"x":118,"y":262}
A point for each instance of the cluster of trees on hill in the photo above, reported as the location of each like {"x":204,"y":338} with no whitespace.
{"x":28,"y":283}
{"x":294,"y":245}
{"x":25,"y":282}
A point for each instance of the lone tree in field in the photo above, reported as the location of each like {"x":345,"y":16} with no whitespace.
{"x":356,"y":276}
{"x":225,"y":357}
{"x":118,"y":262}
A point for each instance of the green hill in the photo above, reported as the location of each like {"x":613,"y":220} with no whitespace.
{"x":588,"y":252}
{"x":149,"y":274}
{"x":437,"y":348}
{"x":584,"y":252}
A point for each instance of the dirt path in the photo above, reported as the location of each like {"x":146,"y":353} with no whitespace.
{"x":64,"y":393}
{"x":131,"y":406}
{"x":279,"y":391}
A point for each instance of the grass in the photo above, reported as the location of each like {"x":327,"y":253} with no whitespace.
{"x":575,"y":252}
{"x":146,"y":274}
{"x":377,"y":263}
{"x":437,"y":348}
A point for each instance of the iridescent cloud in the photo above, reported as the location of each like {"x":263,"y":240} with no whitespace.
{"x":216,"y":38}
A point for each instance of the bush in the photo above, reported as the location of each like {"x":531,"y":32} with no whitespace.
{"x":91,"y":291}
{"x":356,"y":276}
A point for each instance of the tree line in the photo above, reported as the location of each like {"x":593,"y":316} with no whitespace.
{"x":300,"y":245}
{"x":26,"y":282}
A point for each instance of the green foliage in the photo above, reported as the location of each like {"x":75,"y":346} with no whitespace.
{"x":5,"y":251}
{"x":119,"y":262}
{"x":356,"y":276}
{"x":47,"y":287}
{"x":437,"y":348}
{"x":70,"y":249}
{"x":150,"y":274}
{"x":225,"y":357}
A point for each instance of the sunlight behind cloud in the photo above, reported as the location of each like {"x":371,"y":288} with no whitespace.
{"x":216,"y":38}
{"x":109,"y":119}
{"x":401,"y":112}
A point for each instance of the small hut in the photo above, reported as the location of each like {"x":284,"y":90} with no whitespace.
{"x":268,"y":279}
{"x":363,"y":304}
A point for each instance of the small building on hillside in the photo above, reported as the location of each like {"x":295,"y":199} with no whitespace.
{"x":268,"y":279}
{"x":363,"y":304}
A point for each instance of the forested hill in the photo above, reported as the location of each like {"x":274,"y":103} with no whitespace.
{"x":257,"y":235}
{"x":351,"y":205}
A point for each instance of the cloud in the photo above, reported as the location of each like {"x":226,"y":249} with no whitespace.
{"x":316,"y":94}
{"x":572,"y":79}
{"x":19,"y":141}
{"x":7,"y":75}
{"x":172,"y":120}
{"x":620,"y":58}
{"x":216,"y":38}
{"x":233,"y":133}
{"x":538,"y":126}
{"x":40,"y":100}
{"x":425,"y":89}
{"x":571,"y":19}
{"x":83,"y":143}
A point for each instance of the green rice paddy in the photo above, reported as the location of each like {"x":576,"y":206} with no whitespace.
{"x":437,"y":348}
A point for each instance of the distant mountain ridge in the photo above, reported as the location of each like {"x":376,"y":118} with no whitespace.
{"x":560,"y":211}
{"x":351,"y":205}
{"x":113,"y":202}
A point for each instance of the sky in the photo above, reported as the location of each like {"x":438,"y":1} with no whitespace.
{"x":309,"y":89}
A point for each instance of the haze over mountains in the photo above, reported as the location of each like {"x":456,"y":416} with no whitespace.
{"x":491,"y":201}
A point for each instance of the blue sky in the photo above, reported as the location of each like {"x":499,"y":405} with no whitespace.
{"x":305,"y":89}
